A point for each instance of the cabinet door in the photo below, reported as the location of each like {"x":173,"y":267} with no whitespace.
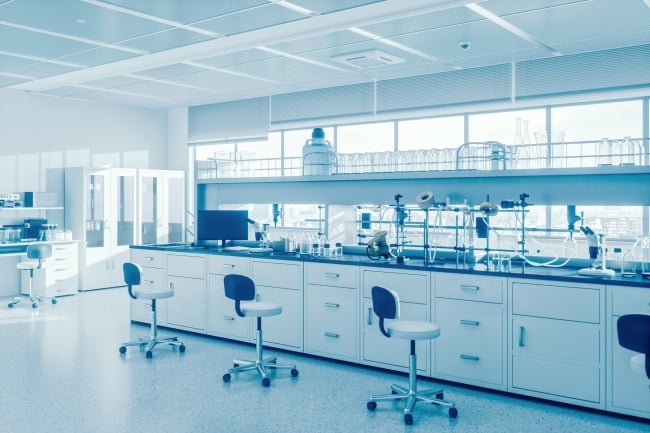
{"x":173,"y":211}
{"x":187,"y":307}
{"x":97,"y":266}
{"x":222,"y":318}
{"x":121,"y":226}
{"x":141,"y":308}
{"x":150,"y":205}
{"x":393,"y":351}
{"x":285,"y":328}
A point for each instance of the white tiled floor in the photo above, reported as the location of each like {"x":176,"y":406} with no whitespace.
{"x":61,"y":372}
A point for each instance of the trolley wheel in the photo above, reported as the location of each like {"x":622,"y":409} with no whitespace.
{"x":453,"y":412}
{"x":408,"y":419}
{"x":371,"y":405}
{"x":34,"y":305}
{"x":266,"y":381}
{"x":122,"y":349}
{"x":54,"y":301}
{"x":149,"y":354}
{"x":181,"y":348}
{"x":226,"y":377}
{"x":294,"y":372}
{"x":11,"y":305}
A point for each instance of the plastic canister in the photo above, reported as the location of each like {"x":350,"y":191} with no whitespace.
{"x":318,"y":155}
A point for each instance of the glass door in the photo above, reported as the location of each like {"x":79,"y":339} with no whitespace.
{"x":149,"y":208}
{"x":96,"y":211}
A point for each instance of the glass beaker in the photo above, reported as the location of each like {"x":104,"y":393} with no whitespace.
{"x":604,"y":153}
{"x":628,"y":264}
{"x":642,"y":250}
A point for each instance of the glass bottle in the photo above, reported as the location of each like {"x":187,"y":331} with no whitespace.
{"x":604,"y":153}
{"x":532,"y":151}
{"x":628,"y":264}
{"x":520,"y":152}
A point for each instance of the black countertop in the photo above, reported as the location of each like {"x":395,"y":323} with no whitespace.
{"x":566,"y":274}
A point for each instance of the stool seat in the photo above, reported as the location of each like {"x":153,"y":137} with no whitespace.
{"x":637,"y":363}
{"x":29,"y":264}
{"x":413,"y":330}
{"x":151,"y":293}
{"x":260,"y":309}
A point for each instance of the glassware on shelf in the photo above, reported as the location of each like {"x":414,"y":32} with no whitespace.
{"x":630,"y":151}
{"x":642,"y":253}
{"x":628,"y":264}
{"x":604,"y":153}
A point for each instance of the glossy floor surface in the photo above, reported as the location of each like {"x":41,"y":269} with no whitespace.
{"x":61,"y":372}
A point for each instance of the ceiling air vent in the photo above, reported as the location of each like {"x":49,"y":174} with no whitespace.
{"x":368,"y":59}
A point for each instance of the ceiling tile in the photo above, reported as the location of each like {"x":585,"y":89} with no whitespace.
{"x":320,"y":42}
{"x":323,"y":7}
{"x":238,"y":58}
{"x":165,"y":40}
{"x":29,"y":43}
{"x":96,"y":56}
{"x":42,"y":70}
{"x":251,"y":19}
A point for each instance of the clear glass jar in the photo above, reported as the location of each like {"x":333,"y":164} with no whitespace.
{"x":628,"y":264}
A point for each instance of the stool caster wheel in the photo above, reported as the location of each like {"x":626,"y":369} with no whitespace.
{"x":266,"y":381}
{"x":294,"y":372}
{"x":371,"y":405}
{"x":453,"y":412}
{"x":11,"y":305}
{"x":34,"y":305}
{"x":408,"y":419}
{"x":149,"y":354}
{"x":226,"y":377}
{"x":54,"y":301}
{"x":181,"y":348}
{"x":122,"y":350}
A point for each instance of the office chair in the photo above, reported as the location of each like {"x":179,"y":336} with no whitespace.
{"x":241,"y":288}
{"x":385,"y":303}
{"x":132,"y":278}
{"x":634,"y":334}
{"x":36,"y":253}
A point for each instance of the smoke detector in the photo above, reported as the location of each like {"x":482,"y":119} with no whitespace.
{"x":368,"y":59}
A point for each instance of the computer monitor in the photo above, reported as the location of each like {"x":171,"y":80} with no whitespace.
{"x":221,"y":225}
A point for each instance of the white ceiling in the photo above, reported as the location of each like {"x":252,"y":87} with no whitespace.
{"x":169,"y":53}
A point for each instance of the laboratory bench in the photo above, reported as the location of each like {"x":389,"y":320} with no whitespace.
{"x":537,"y":331}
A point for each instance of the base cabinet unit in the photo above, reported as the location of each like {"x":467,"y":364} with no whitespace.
{"x":470,"y":312}
{"x":59,"y":277}
{"x":154,"y":270}
{"x":280,"y":282}
{"x":628,"y":392}
{"x":186,"y":276}
{"x":331,"y":297}
{"x":558,"y":341}
{"x":413,"y":288}
{"x":222,"y":318}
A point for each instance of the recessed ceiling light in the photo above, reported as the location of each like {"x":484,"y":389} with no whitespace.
{"x":368,"y":59}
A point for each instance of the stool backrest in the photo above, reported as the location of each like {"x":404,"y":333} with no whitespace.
{"x":634,"y":334}
{"x":385,"y":303}
{"x":132,"y":276}
{"x":239,"y":288}
{"x":39,"y":252}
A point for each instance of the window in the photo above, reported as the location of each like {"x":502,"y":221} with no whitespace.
{"x":437,"y":132}
{"x":368,"y":137}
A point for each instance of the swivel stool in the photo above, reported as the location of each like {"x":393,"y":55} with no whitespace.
{"x":634,"y":334}
{"x":241,"y":289}
{"x":385,"y":303}
{"x":132,"y":278}
{"x":36,"y":254}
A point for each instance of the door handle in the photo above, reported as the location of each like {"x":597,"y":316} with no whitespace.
{"x":332,"y":304}
{"x":469,"y":357}
{"x":469,"y":322}
{"x":369,"y":315}
{"x":522,"y":336}
{"x":468,"y":287}
{"x":331,"y":334}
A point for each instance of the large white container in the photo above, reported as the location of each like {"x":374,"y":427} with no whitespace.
{"x":318,"y":155}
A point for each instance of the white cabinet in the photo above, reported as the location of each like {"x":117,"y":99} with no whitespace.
{"x":100,"y":209}
{"x":413,"y":288}
{"x":186,"y":275}
{"x":154,"y":268}
{"x":558,"y":341}
{"x":628,"y":392}
{"x":222,"y":318}
{"x":161,"y":212}
{"x":59,"y":277}
{"x":281,"y":282}
{"x":469,"y":309}
{"x":332,"y":311}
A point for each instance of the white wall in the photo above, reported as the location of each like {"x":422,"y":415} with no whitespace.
{"x":38,"y":132}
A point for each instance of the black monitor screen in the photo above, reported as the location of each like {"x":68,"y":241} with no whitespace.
{"x":222,"y":225}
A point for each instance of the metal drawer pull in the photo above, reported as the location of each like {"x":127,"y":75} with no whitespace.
{"x":228,"y":318}
{"x":171,"y":286}
{"x":469,"y":322}
{"x":332,"y":304}
{"x":469,"y":357}
{"x":468,"y":287}
{"x":227,"y":265}
{"x":148,"y":281}
{"x":331,"y":334}
{"x":369,"y":315}
{"x":522,"y":336}
{"x":332,"y":274}
{"x":148,"y":258}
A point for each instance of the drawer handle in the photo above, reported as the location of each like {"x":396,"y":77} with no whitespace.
{"x":468,"y":287}
{"x":148,"y":281}
{"x":148,"y":258}
{"x":369,"y":315}
{"x":227,"y":265}
{"x":332,"y":304}
{"x":469,"y":357}
{"x":332,"y":274}
{"x":228,"y":318}
{"x":60,"y":259}
{"x":522,"y":336}
{"x":171,"y":286}
{"x":60,"y":270}
{"x":469,"y":322}
{"x":331,"y":334}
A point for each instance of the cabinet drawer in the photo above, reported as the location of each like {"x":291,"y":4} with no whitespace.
{"x":191,"y":266}
{"x":153,"y":278}
{"x":469,"y":287}
{"x":630,"y":300}
{"x":411,"y":287}
{"x":149,"y":258}
{"x":331,"y":275}
{"x":223,"y":265}
{"x":580,"y":304}
{"x":64,"y":250}
{"x":276,"y":274}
